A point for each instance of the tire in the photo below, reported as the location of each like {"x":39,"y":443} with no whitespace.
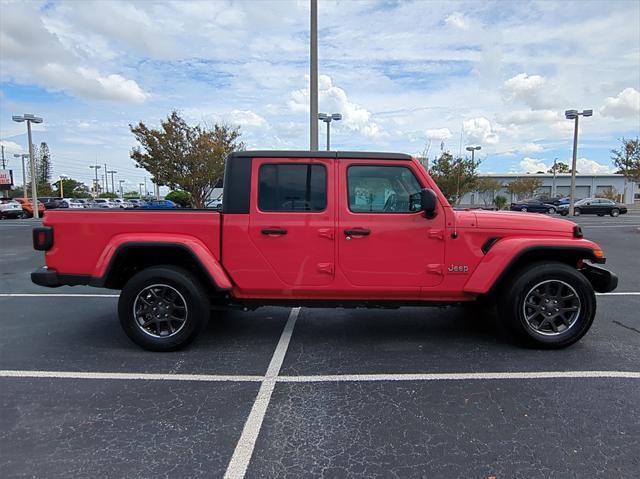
{"x":523,"y":209}
{"x":564,"y":213}
{"x":551,"y":211}
{"x":576,"y":212}
{"x":600,"y":214}
{"x":523,"y":305}
{"x":615,"y":212}
{"x":173,"y":292}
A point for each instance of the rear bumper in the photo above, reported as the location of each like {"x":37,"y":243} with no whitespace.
{"x":600,"y":278}
{"x":51,"y":279}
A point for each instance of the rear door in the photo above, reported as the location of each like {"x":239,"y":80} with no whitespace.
{"x":384,"y":239}
{"x":292,"y":220}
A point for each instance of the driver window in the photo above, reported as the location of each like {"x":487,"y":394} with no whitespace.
{"x":382,"y":189}
{"x":292,"y":187}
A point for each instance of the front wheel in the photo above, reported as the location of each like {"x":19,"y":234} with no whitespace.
{"x":163,"y":308}
{"x":523,"y":209}
{"x":615,"y":212}
{"x":550,"y":306}
{"x":576,"y":212}
{"x":551,"y":211}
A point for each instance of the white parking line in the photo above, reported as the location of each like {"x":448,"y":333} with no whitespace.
{"x":57,"y":295}
{"x":237,"y":467}
{"x":620,"y":293}
{"x":460,"y":376}
{"x":128,"y":376}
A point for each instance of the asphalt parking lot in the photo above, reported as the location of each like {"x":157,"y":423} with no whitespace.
{"x":312,"y":392}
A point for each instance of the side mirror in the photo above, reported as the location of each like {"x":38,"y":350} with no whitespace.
{"x":428,"y":202}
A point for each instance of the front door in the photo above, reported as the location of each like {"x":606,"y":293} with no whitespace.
{"x":385,"y":242}
{"x":292,"y":220}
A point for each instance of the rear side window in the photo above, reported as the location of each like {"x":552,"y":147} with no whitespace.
{"x":292,"y":187}
{"x":382,"y":189}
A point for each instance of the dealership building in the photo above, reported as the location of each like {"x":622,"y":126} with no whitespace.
{"x":586,"y":186}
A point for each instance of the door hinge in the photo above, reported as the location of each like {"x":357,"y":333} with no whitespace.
{"x":436,"y":234}
{"x":326,"y":233}
{"x":435,"y":269}
{"x":325,"y":268}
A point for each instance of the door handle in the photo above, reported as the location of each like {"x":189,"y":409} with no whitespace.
{"x":274,"y":231}
{"x":357,"y":232}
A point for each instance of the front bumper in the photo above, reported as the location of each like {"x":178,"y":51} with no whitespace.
{"x":600,"y":278}
{"x":51,"y":279}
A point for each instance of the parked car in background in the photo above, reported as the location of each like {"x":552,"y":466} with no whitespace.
{"x":51,"y":202}
{"x":103,"y":203}
{"x":534,"y":206}
{"x":84,"y":202}
{"x":216,"y":203}
{"x":135,"y":202}
{"x":594,"y":206}
{"x":120,"y":203}
{"x":72,"y":203}
{"x":159,"y":205}
{"x":27,"y":207}
{"x":10,"y":208}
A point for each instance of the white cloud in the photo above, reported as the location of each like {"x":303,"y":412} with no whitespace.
{"x":457,"y":20}
{"x":528,"y":89}
{"x":439,"y":134}
{"x":524,"y":117}
{"x":532,"y":165}
{"x":626,"y":104}
{"x":333,"y":99}
{"x":479,"y":130}
{"x":586,"y":167}
{"x":247,"y":118}
{"x":530,"y":148}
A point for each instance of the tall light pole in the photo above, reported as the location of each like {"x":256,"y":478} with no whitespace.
{"x":555,"y":172}
{"x":473,"y":150}
{"x":146,"y":191}
{"x":61,"y":181}
{"x":313,"y":78}
{"x":140,"y":185}
{"x":328,"y":119}
{"x":24,"y":173}
{"x":95,"y":182}
{"x":112,"y":172}
{"x":121,"y":192}
{"x":30,"y":118}
{"x":574,"y":115}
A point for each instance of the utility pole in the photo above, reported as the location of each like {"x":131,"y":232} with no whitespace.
{"x":327,"y":119}
{"x":106,"y":179}
{"x":4,"y":164}
{"x":112,"y":172}
{"x":121,"y":192}
{"x":95,"y":182}
{"x":24,"y":173}
{"x":472,"y":149}
{"x":555,"y":172}
{"x":140,"y":185}
{"x":574,"y":115}
{"x":313,"y":78}
{"x":146,"y":191}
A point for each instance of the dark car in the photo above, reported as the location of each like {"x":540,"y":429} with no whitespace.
{"x":51,"y":203}
{"x":594,"y":206}
{"x":534,"y":206}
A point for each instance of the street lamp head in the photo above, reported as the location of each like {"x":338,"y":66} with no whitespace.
{"x":587,"y":112}
{"x":336,"y":116}
{"x":32,"y":118}
{"x":478,"y":147}
{"x":322,"y":116}
{"x":17,"y":118}
{"x":469,"y":148}
{"x":571,"y":114}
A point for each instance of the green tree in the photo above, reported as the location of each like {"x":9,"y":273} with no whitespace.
{"x":524,"y":187}
{"x":132,"y":194}
{"x":500,"y":202}
{"x":189,"y":158}
{"x":108,"y":195}
{"x":627,"y":159}
{"x":487,"y":188}
{"x":560,"y":167}
{"x":44,"y":164}
{"x":454,"y":176}
{"x":71,"y":188}
{"x":180,"y":197}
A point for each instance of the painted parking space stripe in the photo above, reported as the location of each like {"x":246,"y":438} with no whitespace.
{"x":126,"y":376}
{"x":239,"y":462}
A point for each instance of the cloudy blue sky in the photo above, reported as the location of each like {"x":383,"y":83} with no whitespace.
{"x":403,"y":74}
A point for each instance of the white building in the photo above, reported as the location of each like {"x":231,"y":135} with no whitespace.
{"x":586,"y":186}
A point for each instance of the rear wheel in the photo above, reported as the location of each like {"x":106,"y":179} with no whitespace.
{"x":549,"y":306}
{"x":576,"y":212}
{"x":615,"y":212}
{"x":163,"y":308}
{"x":523,"y":209}
{"x":551,"y":211}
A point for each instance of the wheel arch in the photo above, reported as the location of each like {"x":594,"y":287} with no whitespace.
{"x":132,"y":257}
{"x":492,"y":272}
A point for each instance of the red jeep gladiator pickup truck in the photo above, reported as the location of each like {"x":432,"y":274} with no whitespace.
{"x":342,"y":229}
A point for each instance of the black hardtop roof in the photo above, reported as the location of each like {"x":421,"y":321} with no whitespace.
{"x":367,"y":155}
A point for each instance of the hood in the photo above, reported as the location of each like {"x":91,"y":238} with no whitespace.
{"x":512,"y":220}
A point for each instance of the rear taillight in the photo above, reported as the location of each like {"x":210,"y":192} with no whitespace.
{"x":42,"y":238}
